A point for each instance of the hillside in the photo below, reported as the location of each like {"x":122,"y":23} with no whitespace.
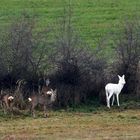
{"x":92,"y":18}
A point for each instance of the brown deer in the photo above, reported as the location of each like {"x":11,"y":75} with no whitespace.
{"x":46,"y":100}
{"x":6,"y":100}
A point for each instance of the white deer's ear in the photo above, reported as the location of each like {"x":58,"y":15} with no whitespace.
{"x":119,"y":76}
{"x":123,"y":76}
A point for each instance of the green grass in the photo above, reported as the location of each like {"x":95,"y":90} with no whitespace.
{"x":113,"y":124}
{"x":92,"y":18}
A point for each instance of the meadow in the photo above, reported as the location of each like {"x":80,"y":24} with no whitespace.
{"x":102,"y":124}
{"x":91,"y":18}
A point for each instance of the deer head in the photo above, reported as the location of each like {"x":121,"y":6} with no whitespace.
{"x":52,"y":94}
{"x":122,"y":79}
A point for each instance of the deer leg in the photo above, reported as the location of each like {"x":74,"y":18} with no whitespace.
{"x":108,"y":100}
{"x":1,"y":106}
{"x":117,"y":95}
{"x":45,"y":111}
{"x":113,"y":99}
{"x":11,"y":108}
{"x":7,"y":105}
{"x":4,"y":108}
{"x":33,"y":111}
{"x":30,"y":109}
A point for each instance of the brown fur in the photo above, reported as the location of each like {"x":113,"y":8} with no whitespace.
{"x":6,"y":104}
{"x":44,"y":100}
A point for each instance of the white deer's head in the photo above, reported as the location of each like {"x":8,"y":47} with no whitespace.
{"x":122,"y":79}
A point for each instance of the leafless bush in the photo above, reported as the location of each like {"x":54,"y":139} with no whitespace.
{"x":138,"y":80}
{"x":128,"y":56}
{"x":78,"y":69}
{"x":23,"y":52}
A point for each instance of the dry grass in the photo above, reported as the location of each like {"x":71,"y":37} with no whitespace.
{"x":105,"y":125}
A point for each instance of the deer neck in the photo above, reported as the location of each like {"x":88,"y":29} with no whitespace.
{"x":121,"y":85}
{"x":52,"y":97}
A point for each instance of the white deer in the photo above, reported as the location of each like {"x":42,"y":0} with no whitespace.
{"x":114,"y":89}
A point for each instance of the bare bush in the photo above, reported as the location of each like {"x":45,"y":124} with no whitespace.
{"x":23,"y":52}
{"x":78,"y":69}
{"x":138,"y":81}
{"x":128,"y":56}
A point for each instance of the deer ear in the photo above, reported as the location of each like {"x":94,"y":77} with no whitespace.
{"x":123,"y":76}
{"x":119,"y":76}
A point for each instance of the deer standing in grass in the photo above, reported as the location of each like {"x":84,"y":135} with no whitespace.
{"x":46,"y":100}
{"x":114,"y":89}
{"x":6,"y":100}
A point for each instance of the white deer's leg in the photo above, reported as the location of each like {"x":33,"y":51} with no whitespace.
{"x":113,"y":99}
{"x":109,"y":97}
{"x":117,"y":95}
{"x":108,"y":102}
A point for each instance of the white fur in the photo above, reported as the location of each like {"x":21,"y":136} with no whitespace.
{"x":50,"y":92}
{"x":53,"y":96}
{"x":114,"y":89}
{"x":10,"y":98}
{"x":29,"y":99}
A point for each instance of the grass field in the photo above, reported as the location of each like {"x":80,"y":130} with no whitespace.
{"x":116,"y":124}
{"x":92,"y":18}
